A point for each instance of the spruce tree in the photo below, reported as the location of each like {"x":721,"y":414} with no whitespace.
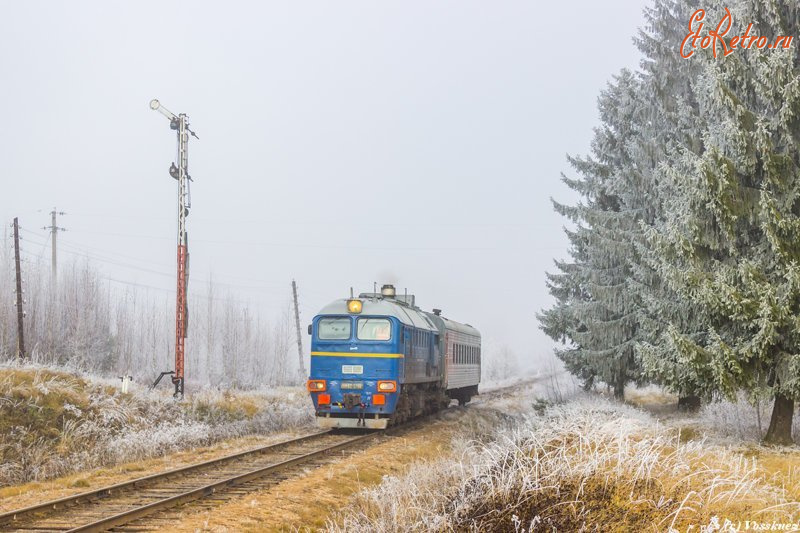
{"x":669,"y":121}
{"x":733,"y":247}
{"x":596,"y":312}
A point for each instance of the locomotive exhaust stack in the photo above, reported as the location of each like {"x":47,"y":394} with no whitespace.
{"x":388,"y":291}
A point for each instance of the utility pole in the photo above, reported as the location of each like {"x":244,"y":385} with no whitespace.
{"x":180,"y":123}
{"x":54,"y":229}
{"x":20,"y":314}
{"x":301,"y":366}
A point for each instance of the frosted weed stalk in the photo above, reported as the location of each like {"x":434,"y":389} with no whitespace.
{"x":587,"y":464}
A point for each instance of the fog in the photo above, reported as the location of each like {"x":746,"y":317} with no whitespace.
{"x":341,"y":144}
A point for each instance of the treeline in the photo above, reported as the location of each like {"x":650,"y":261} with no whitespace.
{"x":684,"y":265}
{"x":86,"y":323}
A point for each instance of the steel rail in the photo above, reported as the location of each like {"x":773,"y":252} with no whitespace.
{"x":202,"y":492}
{"x":93,"y":495}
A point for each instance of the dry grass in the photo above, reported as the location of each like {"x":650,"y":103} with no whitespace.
{"x":587,"y":465}
{"x":303,"y":502}
{"x":650,"y":396}
{"x":54,"y":422}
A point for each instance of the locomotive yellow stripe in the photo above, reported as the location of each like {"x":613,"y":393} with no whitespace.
{"x":358,"y":354}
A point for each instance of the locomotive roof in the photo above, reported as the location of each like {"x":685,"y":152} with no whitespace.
{"x":411,"y":316}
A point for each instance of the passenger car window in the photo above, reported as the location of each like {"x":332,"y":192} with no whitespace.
{"x":374,"y":329}
{"x":334,"y":328}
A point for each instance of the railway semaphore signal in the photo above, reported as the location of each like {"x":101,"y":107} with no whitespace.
{"x":180,"y":172}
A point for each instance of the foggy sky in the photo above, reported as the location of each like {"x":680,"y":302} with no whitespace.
{"x":341,"y":144}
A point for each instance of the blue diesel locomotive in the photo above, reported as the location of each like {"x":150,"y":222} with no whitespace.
{"x":378,"y":360}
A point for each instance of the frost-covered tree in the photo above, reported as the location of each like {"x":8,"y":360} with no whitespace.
{"x":86,"y":323}
{"x":596,"y":312}
{"x":733,"y":246}
{"x":499,"y":363}
{"x":668,"y":121}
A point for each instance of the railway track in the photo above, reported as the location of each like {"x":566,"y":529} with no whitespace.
{"x":147,"y":503}
{"x":125,"y":505}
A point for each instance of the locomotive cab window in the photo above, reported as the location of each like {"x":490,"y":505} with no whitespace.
{"x":334,"y":328}
{"x":374,"y":329}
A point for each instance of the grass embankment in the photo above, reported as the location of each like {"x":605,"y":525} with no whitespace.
{"x":586,"y":465}
{"x":53,"y":422}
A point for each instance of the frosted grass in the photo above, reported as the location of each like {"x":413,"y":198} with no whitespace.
{"x":56,"y":423}
{"x":586,"y":464}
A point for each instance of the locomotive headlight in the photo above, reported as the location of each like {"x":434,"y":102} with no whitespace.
{"x":316,"y":385}
{"x":387,"y":386}
{"x":354,"y":306}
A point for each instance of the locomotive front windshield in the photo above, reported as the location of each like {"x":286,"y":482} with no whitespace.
{"x":374,"y":329}
{"x":334,"y":328}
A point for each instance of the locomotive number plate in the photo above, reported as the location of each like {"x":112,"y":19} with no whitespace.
{"x":352,"y":385}
{"x":352,"y":369}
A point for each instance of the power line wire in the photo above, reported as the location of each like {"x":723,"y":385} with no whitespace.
{"x":300,"y":245}
{"x":77,"y":251}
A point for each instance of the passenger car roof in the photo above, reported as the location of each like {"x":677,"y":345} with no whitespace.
{"x":458,"y":326}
